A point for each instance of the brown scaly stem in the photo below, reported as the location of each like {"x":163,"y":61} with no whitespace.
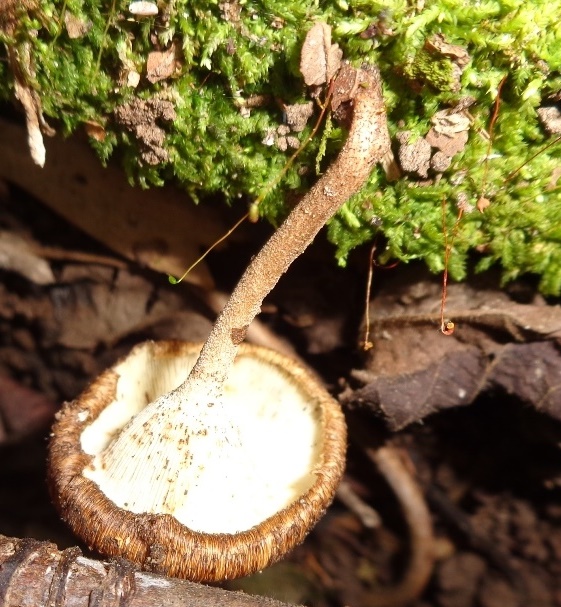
{"x":367,"y":142}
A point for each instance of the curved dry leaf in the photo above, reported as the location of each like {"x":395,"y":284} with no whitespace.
{"x":346,"y":85}
{"x":499,"y":344}
{"x":403,"y":399}
{"x":532,"y":372}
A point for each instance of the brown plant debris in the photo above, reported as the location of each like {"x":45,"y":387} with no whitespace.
{"x":160,"y":65}
{"x":142,"y":117}
{"x":550,"y":117}
{"x":414,"y":157}
{"x":448,"y":136}
{"x":12,"y":11}
{"x":297,"y":115}
{"x":320,"y":60}
{"x":76,"y":27}
{"x":458,"y":54}
{"x":344,"y":88}
{"x":23,"y":70}
{"x":449,"y":133}
{"x":438,"y":47}
{"x":499,"y":344}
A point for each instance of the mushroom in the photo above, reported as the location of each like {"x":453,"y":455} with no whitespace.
{"x":238,"y":482}
{"x":148,"y":465}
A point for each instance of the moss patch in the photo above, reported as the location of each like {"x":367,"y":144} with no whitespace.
{"x":206,"y":61}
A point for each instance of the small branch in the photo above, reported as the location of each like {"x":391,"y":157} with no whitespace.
{"x":37,"y":573}
{"x":367,"y":515}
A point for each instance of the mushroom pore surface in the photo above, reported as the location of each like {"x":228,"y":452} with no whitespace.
{"x":217,"y":467}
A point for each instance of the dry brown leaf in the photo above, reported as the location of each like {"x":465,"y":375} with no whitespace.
{"x":449,"y":145}
{"x":319,"y":60}
{"x":414,"y":157}
{"x":101,"y":310}
{"x":345,"y":86}
{"x":413,"y":370}
{"x":532,"y":372}
{"x":458,"y":54}
{"x":95,"y":130}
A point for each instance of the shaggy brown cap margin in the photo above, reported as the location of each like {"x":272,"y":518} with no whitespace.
{"x":161,"y":544}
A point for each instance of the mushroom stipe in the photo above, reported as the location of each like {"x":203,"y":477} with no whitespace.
{"x":160,"y":542}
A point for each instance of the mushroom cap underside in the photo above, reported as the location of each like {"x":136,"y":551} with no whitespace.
{"x":160,"y":542}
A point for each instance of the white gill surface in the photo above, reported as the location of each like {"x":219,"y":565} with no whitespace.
{"x":219,"y":467}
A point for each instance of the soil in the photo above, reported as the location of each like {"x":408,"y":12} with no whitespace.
{"x":490,"y":470}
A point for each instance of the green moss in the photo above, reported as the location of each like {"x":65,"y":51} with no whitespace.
{"x":228,"y":51}
{"x":428,"y":69}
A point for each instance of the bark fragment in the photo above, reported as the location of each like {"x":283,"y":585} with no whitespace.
{"x":37,"y":573}
{"x":319,"y":60}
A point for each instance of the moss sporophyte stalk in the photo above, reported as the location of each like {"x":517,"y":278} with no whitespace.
{"x":210,"y":95}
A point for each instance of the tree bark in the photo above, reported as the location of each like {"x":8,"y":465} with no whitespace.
{"x":37,"y":574}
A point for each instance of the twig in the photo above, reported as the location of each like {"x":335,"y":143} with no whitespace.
{"x":367,"y":515}
{"x":394,"y":466}
{"x":59,"y":254}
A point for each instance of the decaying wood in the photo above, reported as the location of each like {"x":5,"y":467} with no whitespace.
{"x":159,"y":228}
{"x":37,"y":574}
